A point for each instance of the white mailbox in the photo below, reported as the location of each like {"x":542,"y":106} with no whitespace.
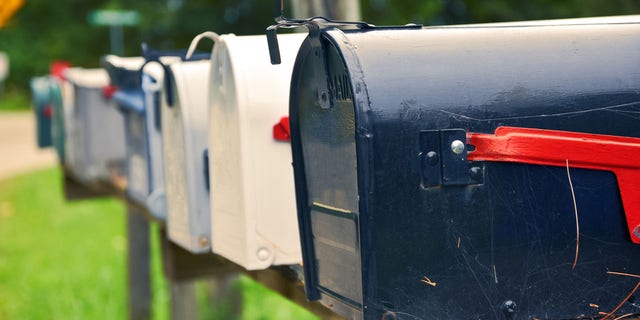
{"x":253,"y":209}
{"x":184,"y":138}
{"x":95,"y":130}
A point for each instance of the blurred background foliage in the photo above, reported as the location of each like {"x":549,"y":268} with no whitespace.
{"x":44,"y":30}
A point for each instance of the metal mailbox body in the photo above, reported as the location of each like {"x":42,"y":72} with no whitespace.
{"x":58,"y":130}
{"x":61,"y":98}
{"x":94,"y":130}
{"x":184,"y":140}
{"x":153,"y":89}
{"x":126,"y":90}
{"x":253,"y":215}
{"x":43,"y":109}
{"x":382,"y":241}
{"x":140,"y":107}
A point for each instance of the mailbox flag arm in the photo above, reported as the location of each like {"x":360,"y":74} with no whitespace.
{"x":580,"y":150}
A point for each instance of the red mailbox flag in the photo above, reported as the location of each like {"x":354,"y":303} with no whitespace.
{"x":281,"y":130}
{"x":561,"y":148}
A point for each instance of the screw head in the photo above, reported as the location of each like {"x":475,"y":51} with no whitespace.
{"x":475,"y":173}
{"x":432,"y":158}
{"x":509,"y":308}
{"x":263,"y":254}
{"x":203,"y":241}
{"x":457,"y":146}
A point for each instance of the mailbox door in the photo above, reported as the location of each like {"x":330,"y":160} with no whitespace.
{"x":152,"y":86}
{"x":184,"y":135}
{"x":58,"y":134}
{"x":41,"y":99}
{"x":326,"y":179}
{"x":131,"y":103}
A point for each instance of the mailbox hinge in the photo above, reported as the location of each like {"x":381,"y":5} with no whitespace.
{"x":572,"y":149}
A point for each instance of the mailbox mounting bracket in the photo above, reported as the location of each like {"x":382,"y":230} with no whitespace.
{"x":444,"y":159}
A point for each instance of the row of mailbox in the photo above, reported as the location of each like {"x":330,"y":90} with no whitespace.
{"x":480,"y":171}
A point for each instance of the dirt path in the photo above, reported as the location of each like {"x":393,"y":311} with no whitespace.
{"x":19,"y":152}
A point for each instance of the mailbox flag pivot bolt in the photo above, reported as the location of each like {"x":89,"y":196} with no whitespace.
{"x":457,"y":146}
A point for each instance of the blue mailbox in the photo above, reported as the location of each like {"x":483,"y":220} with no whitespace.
{"x":43,"y":109}
{"x":59,"y":97}
{"x":469,"y":172}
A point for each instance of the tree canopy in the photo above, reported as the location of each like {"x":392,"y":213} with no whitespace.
{"x":44,"y":30}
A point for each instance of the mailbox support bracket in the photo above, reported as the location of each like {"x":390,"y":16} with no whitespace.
{"x":443,"y":159}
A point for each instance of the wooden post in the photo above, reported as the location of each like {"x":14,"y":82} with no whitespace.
{"x":344,"y":10}
{"x":139,"y":277}
{"x":182,"y":269}
{"x":184,"y":304}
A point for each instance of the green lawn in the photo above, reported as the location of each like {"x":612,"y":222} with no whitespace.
{"x":66,"y":260}
{"x":14,"y":99}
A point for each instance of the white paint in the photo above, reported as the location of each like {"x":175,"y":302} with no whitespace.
{"x":4,"y":66}
{"x":184,"y":140}
{"x":95,"y":129}
{"x":253,"y":212}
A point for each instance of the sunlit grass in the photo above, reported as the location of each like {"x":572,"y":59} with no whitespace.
{"x":59,"y":260}
{"x":67,"y":260}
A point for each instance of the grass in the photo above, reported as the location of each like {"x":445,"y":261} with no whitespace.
{"x":66,"y":260}
{"x":14,"y":98}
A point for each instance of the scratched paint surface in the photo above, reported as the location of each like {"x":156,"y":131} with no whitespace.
{"x":517,"y":230}
{"x":503,"y":249}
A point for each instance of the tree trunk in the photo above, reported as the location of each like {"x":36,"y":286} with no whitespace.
{"x":344,"y":10}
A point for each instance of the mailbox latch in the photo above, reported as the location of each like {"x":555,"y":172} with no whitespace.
{"x":444,"y":159}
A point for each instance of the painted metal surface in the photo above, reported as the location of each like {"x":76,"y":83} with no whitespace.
{"x":125,"y":90}
{"x":184,"y":122}
{"x":94,"y":130}
{"x":59,"y":95}
{"x":253,"y":215}
{"x":153,"y":89}
{"x":138,"y":98}
{"x":378,"y":243}
{"x":42,"y":108}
